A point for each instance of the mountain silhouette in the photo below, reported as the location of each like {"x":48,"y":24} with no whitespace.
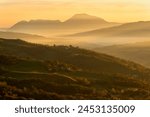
{"x":85,"y":20}
{"x":77,"y":23}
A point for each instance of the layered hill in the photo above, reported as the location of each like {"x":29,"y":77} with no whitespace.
{"x":134,"y":29}
{"x":137,"y":52}
{"x":77,"y":23}
{"x":15,"y":35}
{"x":64,"y":72}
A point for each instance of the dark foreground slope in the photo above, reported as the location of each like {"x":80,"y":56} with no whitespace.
{"x":31,"y":71}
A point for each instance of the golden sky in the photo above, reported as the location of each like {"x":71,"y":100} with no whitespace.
{"x":12,"y":11}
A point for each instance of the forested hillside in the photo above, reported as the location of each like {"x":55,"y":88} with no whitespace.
{"x":32,"y":71}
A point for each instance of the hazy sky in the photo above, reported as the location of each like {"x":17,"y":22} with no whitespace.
{"x":12,"y":11}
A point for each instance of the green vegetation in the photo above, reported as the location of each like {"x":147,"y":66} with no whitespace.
{"x":32,"y":71}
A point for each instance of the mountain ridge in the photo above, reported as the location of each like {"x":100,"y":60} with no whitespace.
{"x":133,"y":29}
{"x":85,"y":16}
{"x":77,"y":23}
{"x":25,"y":36}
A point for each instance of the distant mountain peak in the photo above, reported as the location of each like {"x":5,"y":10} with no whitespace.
{"x":22,"y":22}
{"x":81,"y":15}
{"x":77,"y":23}
{"x":84,"y":16}
{"x":35,"y":23}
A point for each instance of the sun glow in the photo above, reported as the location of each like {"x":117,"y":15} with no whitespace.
{"x":12,"y":11}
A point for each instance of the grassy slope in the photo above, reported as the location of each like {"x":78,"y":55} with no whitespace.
{"x":60,"y":72}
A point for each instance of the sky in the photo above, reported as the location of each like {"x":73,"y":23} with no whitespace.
{"x":12,"y":11}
